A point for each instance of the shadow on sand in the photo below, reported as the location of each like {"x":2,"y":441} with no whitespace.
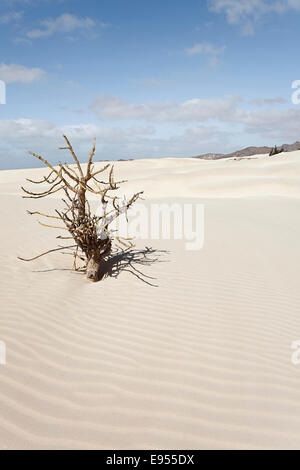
{"x":132,"y":261}
{"x":129,"y":260}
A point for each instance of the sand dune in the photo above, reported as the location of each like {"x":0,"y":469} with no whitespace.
{"x":180,"y":349}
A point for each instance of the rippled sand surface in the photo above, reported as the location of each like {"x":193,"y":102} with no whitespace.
{"x":174,"y":349}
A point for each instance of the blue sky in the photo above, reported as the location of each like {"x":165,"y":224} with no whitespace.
{"x":148,"y":79}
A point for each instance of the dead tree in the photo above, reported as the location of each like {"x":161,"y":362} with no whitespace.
{"x":90,"y":232}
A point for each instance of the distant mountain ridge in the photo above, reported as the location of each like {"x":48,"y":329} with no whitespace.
{"x":248,"y":152}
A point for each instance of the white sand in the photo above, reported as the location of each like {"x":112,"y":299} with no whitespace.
{"x":203,"y":361}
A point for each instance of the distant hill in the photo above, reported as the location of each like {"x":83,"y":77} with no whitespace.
{"x":248,"y":152}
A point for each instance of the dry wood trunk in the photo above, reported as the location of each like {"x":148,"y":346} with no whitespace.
{"x":82,"y":199}
{"x":94,"y":260}
{"x":92,"y":269}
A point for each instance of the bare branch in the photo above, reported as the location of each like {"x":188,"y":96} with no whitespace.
{"x":58,"y":173}
{"x":46,"y":252}
{"x":88,"y":173}
{"x":100,"y":171}
{"x":44,"y":215}
{"x":73,"y":154}
{"x":46,"y":179}
{"x":52,"y":226}
{"x":43,"y":195}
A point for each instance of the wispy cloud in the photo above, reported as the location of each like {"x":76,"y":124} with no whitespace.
{"x":113,"y":142}
{"x":12,"y":3}
{"x":275,"y":123}
{"x":66,"y":23}
{"x":248,"y":12}
{"x":47,"y":129}
{"x":269,"y":101}
{"x":72,"y":84}
{"x":11,"y":16}
{"x":30,"y":3}
{"x":20,"y":40}
{"x":205,"y":48}
{"x":15,"y":73}
{"x":115,"y":108}
{"x":148,"y":81}
{"x":267,"y":122}
{"x":137,"y":141}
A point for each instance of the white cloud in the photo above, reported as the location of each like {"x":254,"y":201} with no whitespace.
{"x":224,"y":113}
{"x":65,"y":23}
{"x":269,"y":101}
{"x":148,"y":81}
{"x":11,"y":3}
{"x":258,"y":127}
{"x":115,"y":109}
{"x":72,"y":84}
{"x":19,"y":40}
{"x":11,"y":16}
{"x":238,"y":10}
{"x":15,"y":73}
{"x":110,"y":134}
{"x":247,"y":12}
{"x":248,"y":29}
{"x":17,"y":137}
{"x":205,"y":49}
{"x":213,"y":61}
{"x":41,"y":128}
{"x":275,"y":124}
